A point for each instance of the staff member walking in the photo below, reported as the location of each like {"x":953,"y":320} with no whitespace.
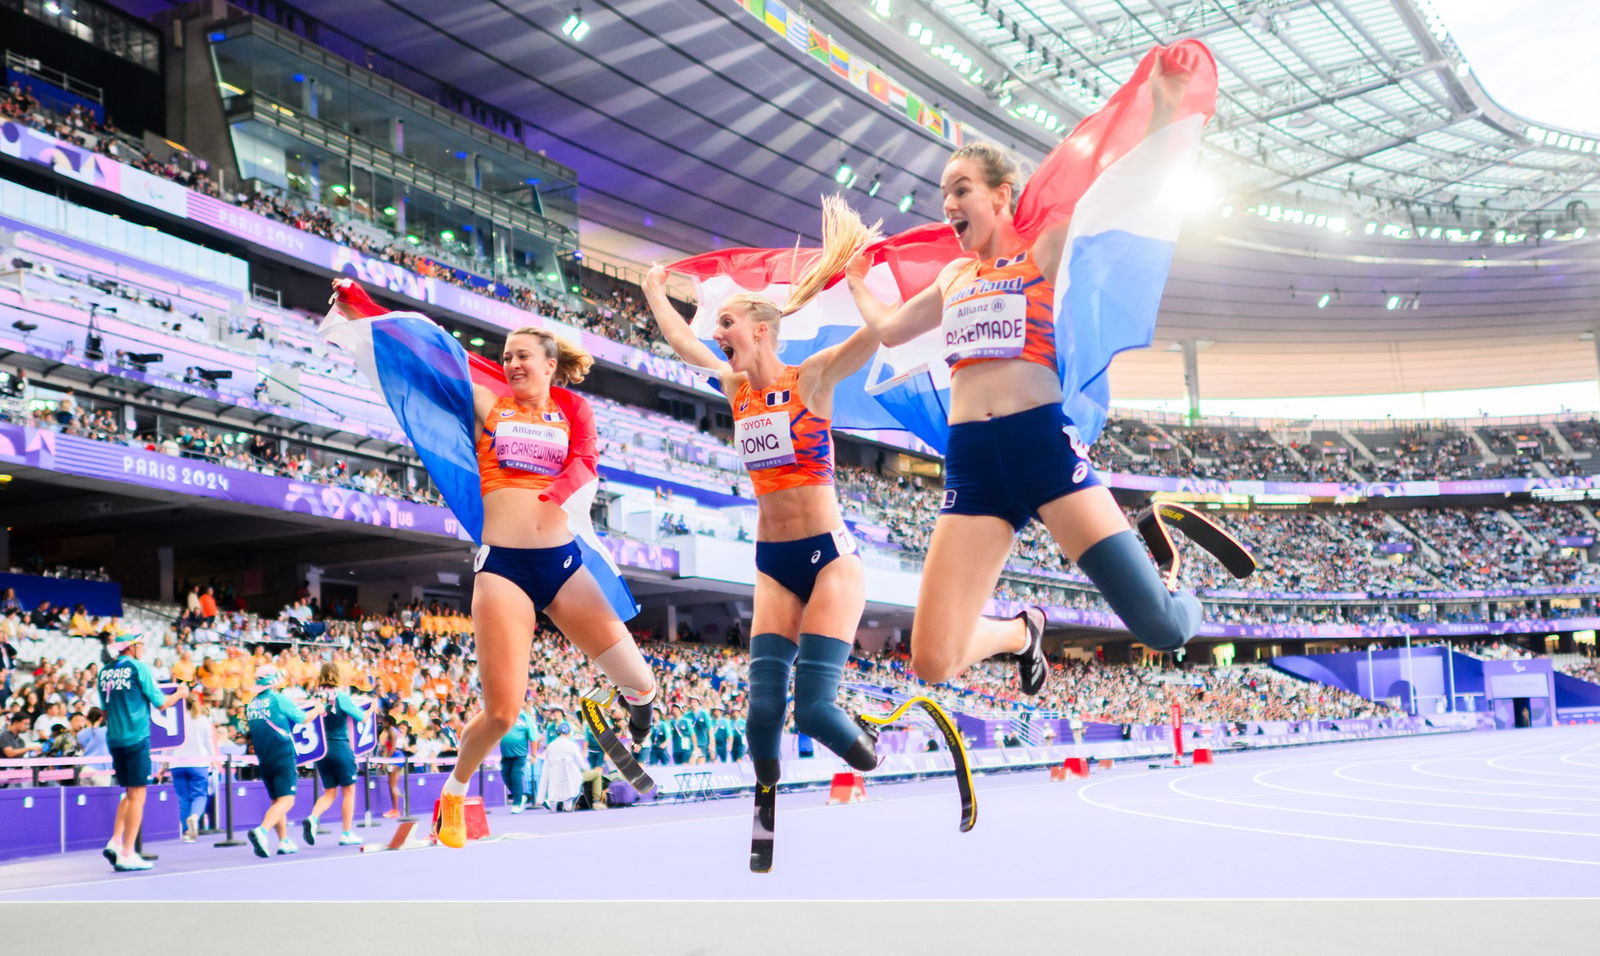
{"x":272,"y":719}
{"x":337,"y":769}
{"x":514,"y":760}
{"x":128,"y":690}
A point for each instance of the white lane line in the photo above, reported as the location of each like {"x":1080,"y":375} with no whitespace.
{"x":1495,"y":763}
{"x":1261,"y":778}
{"x":1083,"y":791}
{"x":1175,"y":787}
{"x":1438,"y":788}
{"x":1416,"y":767}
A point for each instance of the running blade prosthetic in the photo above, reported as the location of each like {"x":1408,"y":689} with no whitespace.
{"x":763,"y":828}
{"x":593,"y":705}
{"x":953,"y":741}
{"x":1154,"y":521}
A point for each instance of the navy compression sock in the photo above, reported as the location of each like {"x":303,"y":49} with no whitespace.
{"x":816,"y":684}
{"x":771,"y":657}
{"x":1121,"y":569}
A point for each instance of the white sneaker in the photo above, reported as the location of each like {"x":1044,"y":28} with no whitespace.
{"x":111,"y":852}
{"x":517,"y":808}
{"x":350,"y":839}
{"x":129,"y":862}
{"x":286,"y":846}
{"x":192,"y":830}
{"x":258,"y":841}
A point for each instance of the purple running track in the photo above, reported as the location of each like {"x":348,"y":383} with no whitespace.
{"x":1512,"y":814}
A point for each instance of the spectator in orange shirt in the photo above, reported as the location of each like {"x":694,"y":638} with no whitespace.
{"x":208,"y":608}
{"x":183,"y":669}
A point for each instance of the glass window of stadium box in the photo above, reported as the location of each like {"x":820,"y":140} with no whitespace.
{"x":383,"y":159}
{"x":104,"y":27}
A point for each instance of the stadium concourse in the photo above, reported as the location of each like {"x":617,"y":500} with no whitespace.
{"x":1387,"y":735}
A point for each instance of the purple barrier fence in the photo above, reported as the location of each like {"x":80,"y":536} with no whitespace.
{"x":41,"y":820}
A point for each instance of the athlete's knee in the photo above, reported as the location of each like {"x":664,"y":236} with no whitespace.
{"x":934,"y":666}
{"x":766,"y":712}
{"x":499,"y":718}
{"x":1174,"y":625}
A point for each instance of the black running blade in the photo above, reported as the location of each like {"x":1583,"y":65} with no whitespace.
{"x":1203,"y":532}
{"x":621,"y":757}
{"x":1156,"y":538}
{"x":762,"y":830}
{"x":958,"y":755}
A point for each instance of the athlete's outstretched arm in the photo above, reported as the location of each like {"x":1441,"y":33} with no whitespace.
{"x":836,"y":363}
{"x":893,"y":325}
{"x":676,"y":330}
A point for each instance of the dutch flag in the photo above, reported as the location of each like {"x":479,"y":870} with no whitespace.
{"x":426,"y":378}
{"x":1120,"y":189}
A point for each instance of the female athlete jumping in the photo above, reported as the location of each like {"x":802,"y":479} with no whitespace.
{"x":1012,"y":454}
{"x":810,"y":590}
{"x":529,"y":562}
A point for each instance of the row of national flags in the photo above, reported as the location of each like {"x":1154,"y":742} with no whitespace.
{"x":803,"y":35}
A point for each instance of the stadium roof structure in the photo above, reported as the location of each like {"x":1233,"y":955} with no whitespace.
{"x":1354,"y":155}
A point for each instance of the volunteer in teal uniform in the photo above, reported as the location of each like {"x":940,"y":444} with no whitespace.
{"x":337,"y":769}
{"x":127,"y":691}
{"x":272,"y":718}
{"x":682,"y":736}
{"x":721,"y":730}
{"x":658,"y":742}
{"x":514,"y":760}
{"x":701,"y":719}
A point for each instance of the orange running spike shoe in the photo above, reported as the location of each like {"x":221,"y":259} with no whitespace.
{"x":451,"y":827}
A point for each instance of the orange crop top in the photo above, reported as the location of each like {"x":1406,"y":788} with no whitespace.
{"x":999,"y":310}
{"x":522,"y":449}
{"x":783,"y":443}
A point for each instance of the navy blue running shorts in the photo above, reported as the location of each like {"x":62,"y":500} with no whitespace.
{"x":796,"y":564}
{"x":1008,"y":467}
{"x":539,"y":572}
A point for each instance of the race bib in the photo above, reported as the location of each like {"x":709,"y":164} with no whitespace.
{"x":530,"y":446}
{"x":985,"y":326}
{"x":844,"y":541}
{"x":764,"y":440}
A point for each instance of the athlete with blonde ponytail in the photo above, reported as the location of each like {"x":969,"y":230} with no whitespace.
{"x":528,"y":442}
{"x":810,"y":590}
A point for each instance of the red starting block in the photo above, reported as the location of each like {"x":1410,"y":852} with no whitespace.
{"x":1058,"y":771}
{"x":1076,"y":766}
{"x":1202,"y":755}
{"x":477,"y":820}
{"x":1105,"y":763}
{"x":848,"y":787}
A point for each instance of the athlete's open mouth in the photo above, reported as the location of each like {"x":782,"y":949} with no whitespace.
{"x":727,"y":351}
{"x":959,"y":225}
